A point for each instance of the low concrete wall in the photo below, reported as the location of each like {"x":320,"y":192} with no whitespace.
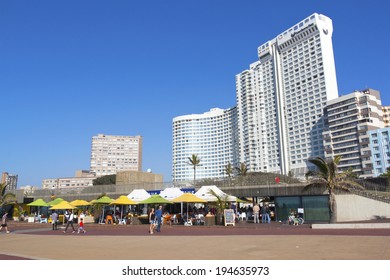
{"x":352,"y":207}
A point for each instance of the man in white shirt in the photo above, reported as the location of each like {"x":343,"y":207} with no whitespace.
{"x":70,"y":218}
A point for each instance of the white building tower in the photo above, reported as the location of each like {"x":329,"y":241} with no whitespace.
{"x":209,"y":136}
{"x":280,"y":99}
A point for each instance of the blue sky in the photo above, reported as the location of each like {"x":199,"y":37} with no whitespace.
{"x":73,"y":69}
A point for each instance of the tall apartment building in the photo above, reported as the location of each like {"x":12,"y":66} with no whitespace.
{"x":386,"y":115}
{"x":9,"y":179}
{"x":210,"y":136}
{"x":281,"y":97}
{"x":110,"y":154}
{"x":380,"y":150}
{"x":349,"y":118}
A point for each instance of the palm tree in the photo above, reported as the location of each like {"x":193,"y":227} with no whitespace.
{"x":221,"y":204}
{"x":6,"y":198}
{"x":327,"y":174}
{"x":229,"y":172}
{"x":242,"y":170}
{"x":194,"y":161}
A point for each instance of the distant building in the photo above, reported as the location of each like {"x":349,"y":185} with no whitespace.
{"x":380,"y":150}
{"x":110,"y":154}
{"x":9,"y":179}
{"x":83,"y":178}
{"x":386,"y":115}
{"x":348,"y":120}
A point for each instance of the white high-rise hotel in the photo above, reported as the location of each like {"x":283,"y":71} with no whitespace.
{"x":210,"y":136}
{"x":280,"y":100}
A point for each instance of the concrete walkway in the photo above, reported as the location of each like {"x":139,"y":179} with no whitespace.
{"x":252,"y":242}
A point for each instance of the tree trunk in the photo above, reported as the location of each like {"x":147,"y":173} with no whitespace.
{"x":332,"y":208}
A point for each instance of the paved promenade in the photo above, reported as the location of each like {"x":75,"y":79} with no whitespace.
{"x":273,"y":241}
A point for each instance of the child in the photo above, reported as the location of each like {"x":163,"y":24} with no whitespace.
{"x":81,"y":226}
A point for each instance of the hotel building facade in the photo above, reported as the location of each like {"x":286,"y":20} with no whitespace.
{"x":210,"y":136}
{"x":280,"y":102}
{"x":281,"y":97}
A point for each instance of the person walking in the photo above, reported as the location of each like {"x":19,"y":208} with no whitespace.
{"x":256,"y":212}
{"x":69,"y":222}
{"x":81,"y":226}
{"x":152,"y":221}
{"x":4,"y":220}
{"x":54,"y":220}
{"x":159,"y":218}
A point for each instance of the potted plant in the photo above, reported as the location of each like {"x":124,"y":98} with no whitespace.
{"x":220,"y":204}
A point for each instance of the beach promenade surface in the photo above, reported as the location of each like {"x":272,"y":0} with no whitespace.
{"x":245,"y":241}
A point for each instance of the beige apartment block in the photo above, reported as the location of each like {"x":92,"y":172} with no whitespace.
{"x":111,"y":154}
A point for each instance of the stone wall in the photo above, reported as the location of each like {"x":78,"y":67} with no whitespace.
{"x":352,"y":207}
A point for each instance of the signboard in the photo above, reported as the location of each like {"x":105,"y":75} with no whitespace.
{"x":300,"y":211}
{"x":229,"y":217}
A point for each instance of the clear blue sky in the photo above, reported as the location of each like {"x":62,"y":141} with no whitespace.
{"x":72,"y":69}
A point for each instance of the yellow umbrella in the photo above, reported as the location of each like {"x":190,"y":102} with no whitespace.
{"x":188,"y":198}
{"x":123,"y":200}
{"x":80,"y":202}
{"x":63,"y":205}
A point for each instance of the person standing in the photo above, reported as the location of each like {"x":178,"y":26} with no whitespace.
{"x":159,"y":218}
{"x":152,"y":221}
{"x":54,"y":220}
{"x":265,"y":214}
{"x":69,"y":222}
{"x":4,"y":220}
{"x":256,"y":212}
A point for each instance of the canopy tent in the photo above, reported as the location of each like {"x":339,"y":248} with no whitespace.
{"x":155,"y":199}
{"x":138,"y":195}
{"x":171,"y":193}
{"x":104,"y":200}
{"x":55,"y":201}
{"x":204,"y":193}
{"x":122,"y":200}
{"x":39,"y":203}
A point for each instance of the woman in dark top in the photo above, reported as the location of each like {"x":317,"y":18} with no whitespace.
{"x":152,"y":221}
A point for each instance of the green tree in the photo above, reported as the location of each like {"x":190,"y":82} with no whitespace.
{"x":242,"y":170}
{"x":229,"y":172}
{"x":6,"y":198}
{"x":387,"y":173}
{"x":326,"y":174}
{"x":221,"y":204}
{"x":194,"y":160}
{"x":105,"y":180}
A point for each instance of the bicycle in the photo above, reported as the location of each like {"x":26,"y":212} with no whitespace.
{"x":292,"y":220}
